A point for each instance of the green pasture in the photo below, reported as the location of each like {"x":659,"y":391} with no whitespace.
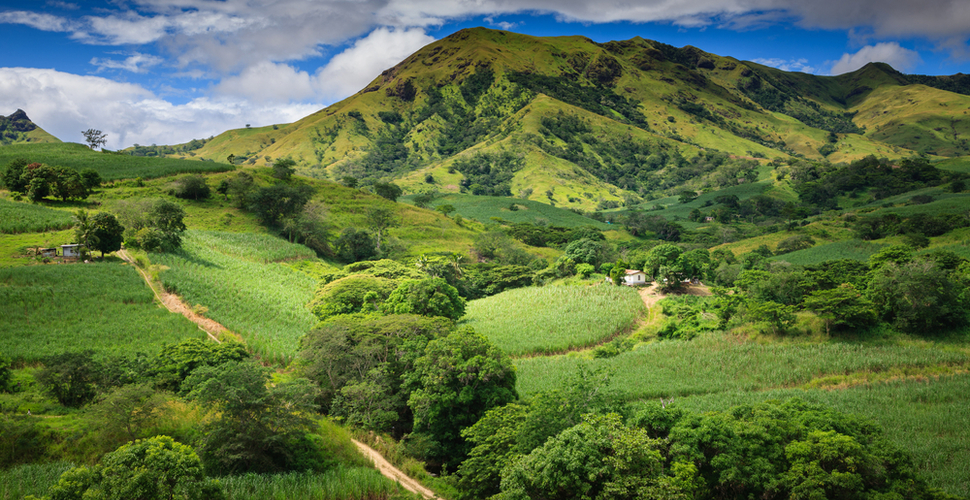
{"x":554,"y":319}
{"x":110,"y":165}
{"x":106,"y":307}
{"x":18,"y":217}
{"x":717,"y":364}
{"x":850,"y":249}
{"x":265,"y":302}
{"x":484,"y":208}
{"x":927,"y":416}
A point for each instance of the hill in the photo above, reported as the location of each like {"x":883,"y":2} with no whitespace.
{"x":19,"y":129}
{"x":594,"y":126}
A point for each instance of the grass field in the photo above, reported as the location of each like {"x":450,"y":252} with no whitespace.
{"x":926,"y":416}
{"x":105,"y":307}
{"x":31,"y":479}
{"x":18,"y":217}
{"x":716,"y":364}
{"x":851,"y":249}
{"x":483,"y":208}
{"x":263,"y":302}
{"x":111,"y":166}
{"x":342,"y":483}
{"x":554,"y":318}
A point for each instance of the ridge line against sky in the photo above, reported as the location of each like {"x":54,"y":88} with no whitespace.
{"x":168,"y":71}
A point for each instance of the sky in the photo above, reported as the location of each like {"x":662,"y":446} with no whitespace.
{"x":169,"y":71}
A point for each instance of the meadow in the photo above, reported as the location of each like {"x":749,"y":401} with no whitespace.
{"x":30,"y":479}
{"x":927,"y":416}
{"x":850,"y":249}
{"x":552,"y":319}
{"x":484,"y":208}
{"x":341,"y":483}
{"x":109,"y":165}
{"x":235,"y":278}
{"x":17,"y":217}
{"x":106,"y":307}
{"x":718,"y":363}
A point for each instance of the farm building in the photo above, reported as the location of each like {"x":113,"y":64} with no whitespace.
{"x":634,"y":277}
{"x":72,"y":250}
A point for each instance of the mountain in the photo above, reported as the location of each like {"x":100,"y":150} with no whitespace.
{"x":19,"y":129}
{"x":581,"y":124}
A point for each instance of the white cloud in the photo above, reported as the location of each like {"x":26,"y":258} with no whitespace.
{"x":900,"y":58}
{"x":65,"y":104}
{"x":800,"y":65}
{"x":268,"y":81}
{"x":352,"y":69}
{"x":43,"y":22}
{"x":136,"y":63}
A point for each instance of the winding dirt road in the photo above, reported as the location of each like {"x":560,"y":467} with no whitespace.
{"x":213,"y":328}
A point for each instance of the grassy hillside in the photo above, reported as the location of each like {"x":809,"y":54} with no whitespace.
{"x":110,"y":165}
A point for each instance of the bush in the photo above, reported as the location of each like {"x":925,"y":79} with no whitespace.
{"x":191,"y":187}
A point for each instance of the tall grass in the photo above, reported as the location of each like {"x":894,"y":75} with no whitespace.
{"x":262,"y":248}
{"x":554,"y":318}
{"x":717,"y":364}
{"x":927,"y":417}
{"x":342,"y":483}
{"x":263,"y":302}
{"x":483,"y":208}
{"x":105,"y":307}
{"x":26,"y":218}
{"x":30,"y":479}
{"x":851,"y":249}
{"x":110,"y":166}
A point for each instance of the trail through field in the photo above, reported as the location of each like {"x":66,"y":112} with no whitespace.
{"x":393,"y":473}
{"x":174,"y":304}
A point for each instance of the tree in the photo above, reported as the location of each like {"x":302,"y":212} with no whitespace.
{"x":129,"y":409}
{"x":90,"y":178}
{"x":354,"y":293}
{"x":353,"y":245}
{"x":387,"y":190}
{"x":455,"y":381}
{"x":445,"y":209}
{"x":918,"y":296}
{"x":842,"y":307}
{"x":157,"y":468}
{"x":95,"y":138}
{"x":167,"y":217}
{"x":255,"y":427}
{"x":240,"y":186}
{"x":283,"y":168}
{"x":274,"y":203}
{"x":108,"y":233}
{"x":13,"y":176}
{"x":585,"y":251}
{"x":177,"y":361}
{"x":309,"y":227}
{"x":665,"y":254}
{"x":70,"y":377}
{"x":84,"y":232}
{"x":381,"y":219}
{"x":427,"y":297}
{"x":191,"y":187}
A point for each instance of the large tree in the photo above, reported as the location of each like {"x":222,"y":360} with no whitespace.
{"x":427,"y":297}
{"x":95,"y":138}
{"x":108,"y":232}
{"x":381,"y":219}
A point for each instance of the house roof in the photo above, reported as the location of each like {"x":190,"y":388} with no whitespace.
{"x":633,"y":271}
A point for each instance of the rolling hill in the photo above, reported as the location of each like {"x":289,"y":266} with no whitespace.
{"x":19,"y":129}
{"x":587,"y":125}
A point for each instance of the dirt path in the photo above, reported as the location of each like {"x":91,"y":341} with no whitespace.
{"x":174,"y":304}
{"x":212,"y":328}
{"x":393,"y":473}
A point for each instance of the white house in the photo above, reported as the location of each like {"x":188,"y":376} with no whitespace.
{"x":72,"y":250}
{"x":634,"y":277}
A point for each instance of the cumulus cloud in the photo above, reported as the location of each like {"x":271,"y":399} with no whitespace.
{"x":892,"y":54}
{"x":135,"y":63}
{"x":64,"y":104}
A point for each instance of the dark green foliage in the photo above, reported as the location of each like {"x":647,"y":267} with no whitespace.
{"x":5,"y":385}
{"x":477,"y":84}
{"x":587,"y":251}
{"x":191,"y":187}
{"x":353,"y":245}
{"x":427,"y":297}
{"x":240,"y":187}
{"x":489,"y":174}
{"x":108,"y":233}
{"x":358,"y":361}
{"x":390,"y":117}
{"x":483,"y":280}
{"x":13,"y":175}
{"x":91,"y":178}
{"x":41,"y":181}
{"x":167,"y":218}
{"x":283,"y":168}
{"x":456,"y":380}
{"x":590,"y":98}
{"x":842,"y":307}
{"x":355,"y":293}
{"x":157,"y":468}
{"x":256,"y":427}
{"x":819,"y":185}
{"x":795,"y":243}
{"x":21,"y":440}
{"x":175,"y":362}
{"x":273,"y":203}
{"x":70,"y":377}
{"x":388,"y":190}
{"x":919,"y":296}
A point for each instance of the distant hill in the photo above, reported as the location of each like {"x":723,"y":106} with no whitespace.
{"x":580,"y":124}
{"x":19,"y":129}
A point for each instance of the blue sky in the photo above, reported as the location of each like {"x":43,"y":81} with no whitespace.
{"x":168,"y":71}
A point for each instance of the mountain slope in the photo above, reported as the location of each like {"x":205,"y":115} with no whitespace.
{"x":19,"y":129}
{"x":587,"y":125}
